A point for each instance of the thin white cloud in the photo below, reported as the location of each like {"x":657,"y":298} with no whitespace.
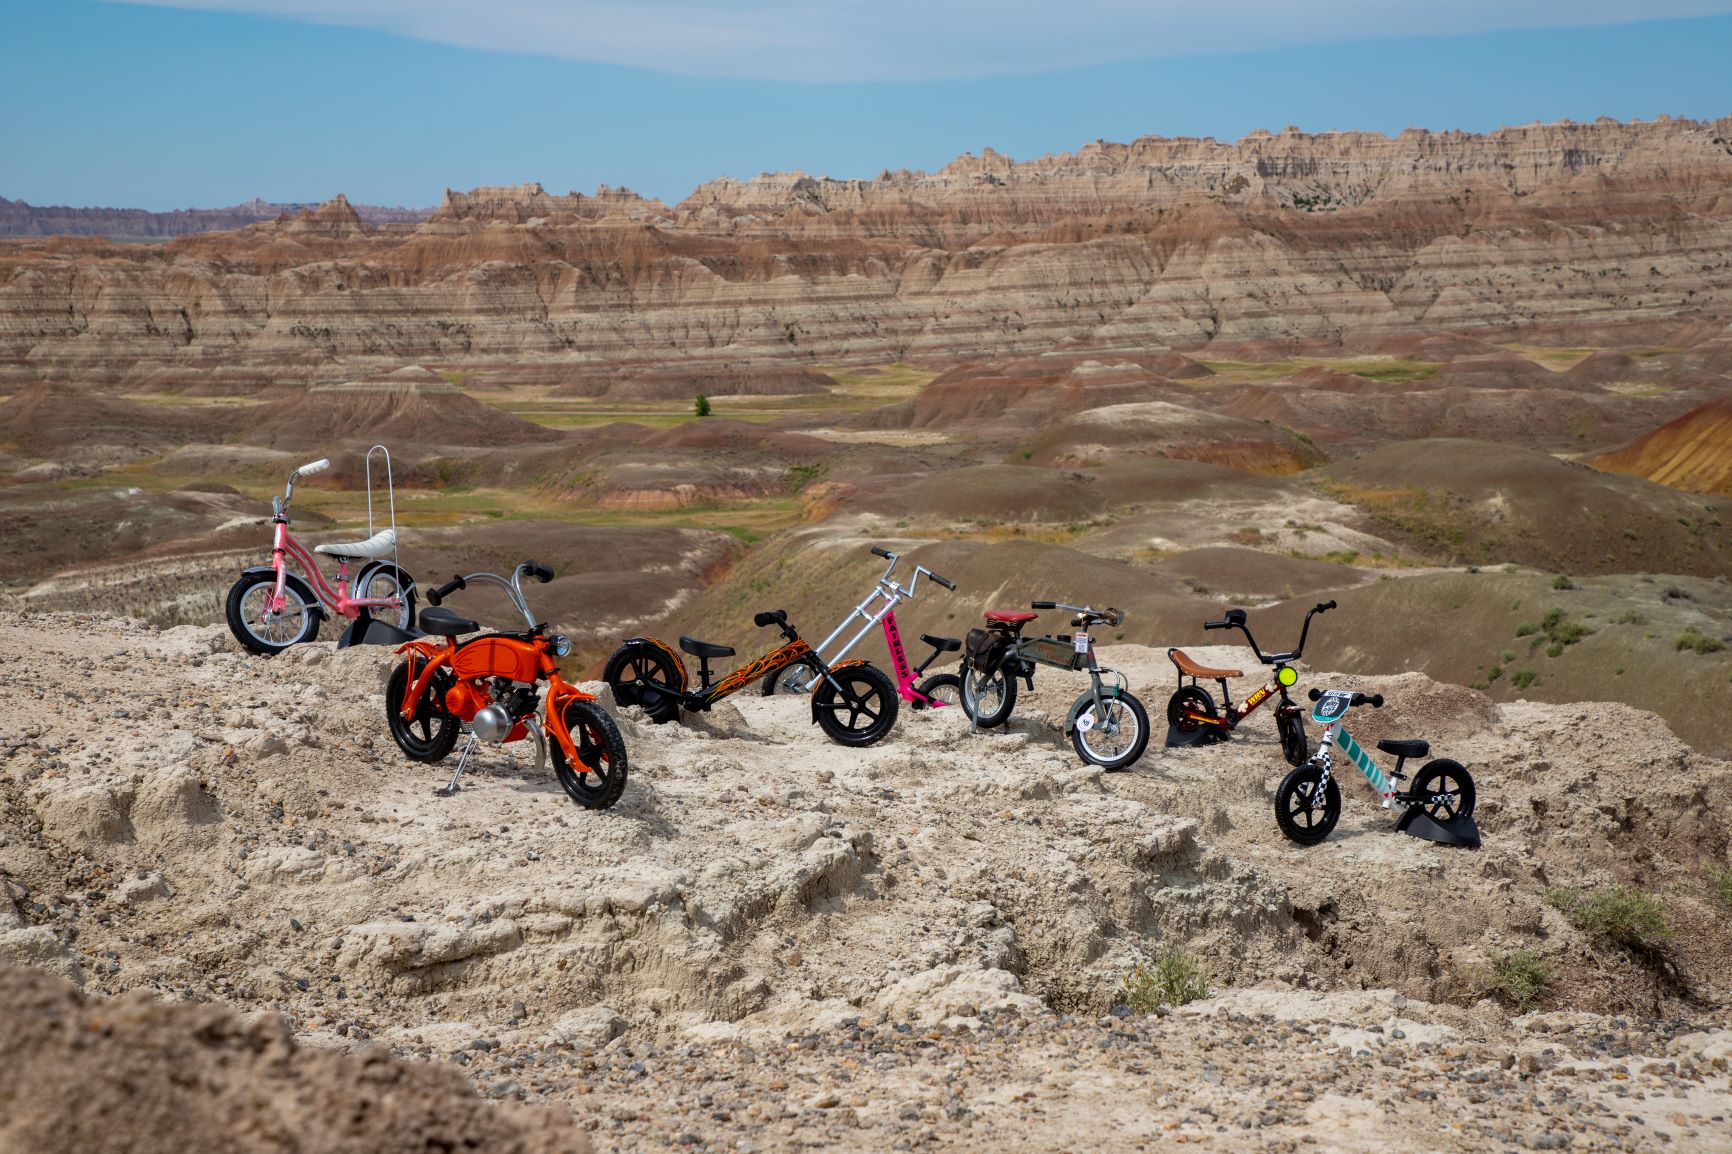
{"x":878,"y":40}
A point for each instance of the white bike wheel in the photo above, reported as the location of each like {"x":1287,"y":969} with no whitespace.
{"x":266,"y":633}
{"x":386,"y":580}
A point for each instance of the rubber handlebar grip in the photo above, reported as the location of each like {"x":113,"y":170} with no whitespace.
{"x":1043,"y":604}
{"x":540,"y":572}
{"x":881,"y":552}
{"x":1315,"y":694}
{"x":773,"y":617}
{"x":1214,"y":625}
{"x":948,"y":584}
{"x":1326,"y":607}
{"x":435,"y":596}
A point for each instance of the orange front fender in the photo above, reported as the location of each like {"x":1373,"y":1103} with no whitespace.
{"x":418,"y":682}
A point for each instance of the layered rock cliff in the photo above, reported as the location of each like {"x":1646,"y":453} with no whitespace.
{"x":20,"y":219}
{"x":1588,"y":232}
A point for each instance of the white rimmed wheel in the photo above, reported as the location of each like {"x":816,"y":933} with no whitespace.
{"x":792,"y":679}
{"x":1113,"y":734}
{"x":598,"y":778}
{"x":944,"y":689}
{"x":381,"y":580}
{"x":988,"y":698}
{"x":265,"y":631}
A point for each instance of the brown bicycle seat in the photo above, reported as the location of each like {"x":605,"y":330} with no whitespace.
{"x":1191,"y":669}
{"x":1009,"y":616}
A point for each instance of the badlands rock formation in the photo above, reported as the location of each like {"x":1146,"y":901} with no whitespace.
{"x":20,"y":219}
{"x":1292,"y":240}
{"x":772,"y":941}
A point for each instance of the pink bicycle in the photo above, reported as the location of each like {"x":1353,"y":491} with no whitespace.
{"x":271,"y":608}
{"x":936,"y":692}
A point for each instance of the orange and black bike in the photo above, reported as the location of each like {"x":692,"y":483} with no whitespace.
{"x":489,"y":687}
{"x":1193,"y":715}
{"x":853,"y":702}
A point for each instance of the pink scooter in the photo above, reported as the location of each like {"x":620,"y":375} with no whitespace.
{"x":937,"y":692}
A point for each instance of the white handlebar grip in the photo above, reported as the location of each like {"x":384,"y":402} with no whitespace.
{"x":318,"y":466}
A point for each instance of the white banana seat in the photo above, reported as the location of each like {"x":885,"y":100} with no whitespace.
{"x":381,"y":544}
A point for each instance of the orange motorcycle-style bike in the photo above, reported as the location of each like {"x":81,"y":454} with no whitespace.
{"x":488,"y":687}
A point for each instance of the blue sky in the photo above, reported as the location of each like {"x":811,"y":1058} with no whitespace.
{"x":210,"y":102}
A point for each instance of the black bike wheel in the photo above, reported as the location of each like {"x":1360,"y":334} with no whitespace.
{"x":598,"y":780}
{"x":382,"y":579}
{"x":1444,"y":790}
{"x":1306,"y":806}
{"x":1116,"y":737}
{"x":644,"y":675}
{"x":268,"y":634}
{"x":1295,"y":745}
{"x":988,"y":698}
{"x":856,"y":705}
{"x":431,"y":733}
{"x":945,"y":689}
{"x":792,"y":679}
{"x":1190,"y":699}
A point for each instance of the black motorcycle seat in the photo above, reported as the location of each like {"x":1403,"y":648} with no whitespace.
{"x":942,"y":644}
{"x":704,"y":648}
{"x":444,"y":623}
{"x":1411,"y":748}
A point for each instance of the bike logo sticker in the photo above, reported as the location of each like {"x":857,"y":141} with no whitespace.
{"x":1085,"y":721}
{"x":1332,"y":706}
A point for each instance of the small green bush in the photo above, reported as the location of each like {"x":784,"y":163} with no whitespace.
{"x":1522,"y":678}
{"x":701,"y":405}
{"x":1616,"y":914}
{"x":1173,"y":979}
{"x":1526,"y":628}
{"x":1700,"y":642}
{"x":1554,"y":650}
{"x":1494,"y":673}
{"x":1561,"y":582}
{"x":1519,"y":975}
{"x":1507,"y":656}
{"x":1630,"y":617}
{"x":1554,"y":616}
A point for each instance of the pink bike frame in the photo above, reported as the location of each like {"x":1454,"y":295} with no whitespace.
{"x":890,"y":592}
{"x":337,"y":599}
{"x":905,"y":674}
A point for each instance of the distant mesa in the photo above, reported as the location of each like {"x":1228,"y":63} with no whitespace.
{"x":20,"y":219}
{"x":1693,"y":452}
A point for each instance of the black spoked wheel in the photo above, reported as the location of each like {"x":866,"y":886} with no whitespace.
{"x":1444,"y":790}
{"x":431,"y":732}
{"x":598,"y":778}
{"x":646,"y":676}
{"x":988,"y":697}
{"x":1113,"y":735}
{"x":1295,"y":745}
{"x":1187,"y":703}
{"x":792,"y":680}
{"x":855,"y":705}
{"x":1307,"y":806}
{"x":268,"y":632}
{"x":944,"y":689}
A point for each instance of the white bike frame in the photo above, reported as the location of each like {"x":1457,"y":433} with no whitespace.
{"x":1334,"y":734}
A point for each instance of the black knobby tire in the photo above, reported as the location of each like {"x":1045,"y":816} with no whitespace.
{"x":431,"y":733}
{"x":1197,"y":700}
{"x":644,"y":675}
{"x":1105,"y":742}
{"x":1305,"y":813}
{"x":599,"y":778}
{"x":943,"y":688}
{"x":792,"y":678}
{"x":865,"y":709}
{"x":300,"y":622}
{"x":1445,"y":790}
{"x":989,"y":698}
{"x":1295,"y":744}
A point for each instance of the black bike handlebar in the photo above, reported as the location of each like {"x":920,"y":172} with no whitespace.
{"x":1375,"y":700}
{"x":540,"y":572}
{"x":773,"y":617}
{"x":881,"y":552}
{"x":944,"y":581}
{"x":435,"y":596}
{"x":1043,"y":604}
{"x":1215,"y":624}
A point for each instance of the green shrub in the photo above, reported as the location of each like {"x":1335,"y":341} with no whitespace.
{"x":1723,"y":886}
{"x":1561,"y":582}
{"x":1616,"y":914}
{"x":1506,"y":656}
{"x":1494,"y":673}
{"x":1700,"y":642}
{"x":1526,"y":628}
{"x":1522,"y":678}
{"x":1554,"y":650}
{"x":1173,"y":979}
{"x":1551,"y":620}
{"x":1519,"y":975}
{"x":1630,"y":617}
{"x":701,"y":405}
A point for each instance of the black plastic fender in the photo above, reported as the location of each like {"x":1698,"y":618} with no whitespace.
{"x":317,"y":605}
